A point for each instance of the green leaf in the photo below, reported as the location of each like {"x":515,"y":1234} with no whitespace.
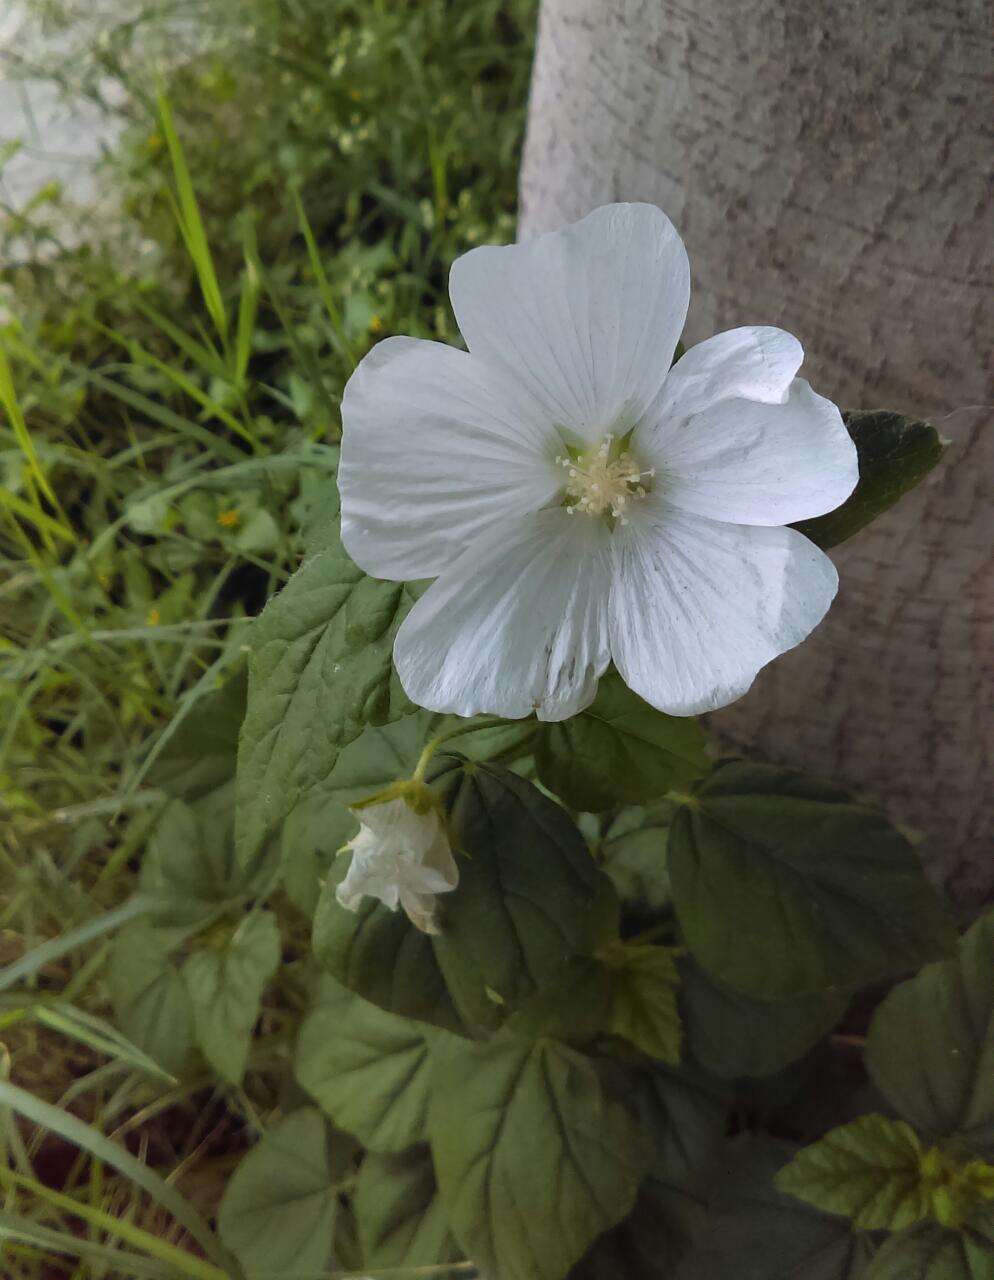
{"x":381,"y":956}
{"x":785,"y":884}
{"x":151,"y":1005}
{"x":529,"y":894}
{"x":927,"y":1251}
{"x":869,"y":1170}
{"x":190,"y":222}
{"x":379,"y":756}
{"x":225,"y":981}
{"x":401,"y":1220}
{"x":683,"y":1112}
{"x":733,"y":1035}
{"x":321,"y":823}
{"x":619,"y":750}
{"x":895,"y":454}
{"x":649,"y":1243}
{"x":258,"y":534}
{"x":930,"y":1048}
{"x":631,"y":847}
{"x":755,"y":1232}
{"x":643,"y":1000}
{"x":320,"y":671}
{"x":311,"y":838}
{"x":534,"y":1157}
{"x":200,"y":756}
{"x":573,"y":1007}
{"x":384,"y":753}
{"x":279,"y":1209}
{"x":366,"y":1069}
{"x":189,"y":866}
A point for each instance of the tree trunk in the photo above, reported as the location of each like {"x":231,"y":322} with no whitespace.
{"x":826,"y":166}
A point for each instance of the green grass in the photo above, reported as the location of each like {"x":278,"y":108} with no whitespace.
{"x":169,"y":396}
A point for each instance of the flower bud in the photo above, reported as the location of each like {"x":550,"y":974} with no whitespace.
{"x":401,"y":855}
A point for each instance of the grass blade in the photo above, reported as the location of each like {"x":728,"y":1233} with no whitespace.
{"x":12,"y":408}
{"x":83,"y":1135}
{"x":182,"y":1262}
{"x":44,"y":954}
{"x":165,"y":417}
{"x":191,"y":224}
{"x":327,"y":297}
{"x":248,"y":308}
{"x":20,"y":1230}
{"x":98,"y":1035}
{"x":42,"y":522}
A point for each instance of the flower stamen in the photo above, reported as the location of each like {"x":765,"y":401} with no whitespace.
{"x":603,"y":481}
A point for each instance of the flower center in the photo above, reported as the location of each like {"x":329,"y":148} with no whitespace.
{"x":604,"y":481}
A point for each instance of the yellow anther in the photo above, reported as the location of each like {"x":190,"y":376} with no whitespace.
{"x":602,"y":483}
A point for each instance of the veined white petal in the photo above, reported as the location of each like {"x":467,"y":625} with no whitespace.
{"x":436,"y":448}
{"x":748,"y":462}
{"x":394,"y":824}
{"x":420,"y":910}
{"x":586,"y":318}
{"x":751,"y":363}
{"x":518,"y":624}
{"x":698,"y":607}
{"x":401,"y":857}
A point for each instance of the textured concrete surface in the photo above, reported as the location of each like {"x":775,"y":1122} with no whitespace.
{"x":61,"y":137}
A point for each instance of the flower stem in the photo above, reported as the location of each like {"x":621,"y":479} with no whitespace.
{"x":487,"y":722}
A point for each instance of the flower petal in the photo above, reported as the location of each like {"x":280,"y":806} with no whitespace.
{"x":698,"y":607}
{"x":439,"y":860}
{"x":420,"y":909}
{"x":751,"y":363}
{"x":393,"y":824}
{"x":586,"y":318}
{"x":368,"y":878}
{"x":749,"y":462}
{"x":518,"y":624}
{"x":436,"y":448}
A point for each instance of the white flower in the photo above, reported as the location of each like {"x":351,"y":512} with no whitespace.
{"x":402,"y":857}
{"x":579,"y":501}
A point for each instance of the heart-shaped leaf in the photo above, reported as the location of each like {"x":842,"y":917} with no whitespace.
{"x":320,"y":671}
{"x":402,"y":1222}
{"x":732,"y":1035}
{"x":225,"y":979}
{"x":785,"y":884}
{"x":930,"y":1048}
{"x":367,"y":1070}
{"x":279,"y":1209}
{"x":534,"y":1157}
{"x":619,"y":750}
